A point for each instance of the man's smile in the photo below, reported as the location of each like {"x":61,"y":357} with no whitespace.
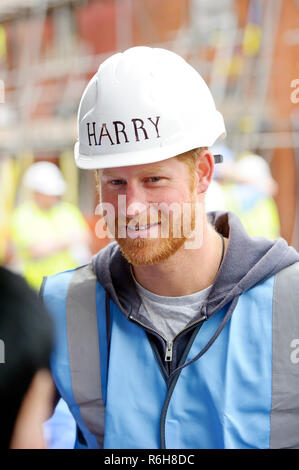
{"x":136,"y":230}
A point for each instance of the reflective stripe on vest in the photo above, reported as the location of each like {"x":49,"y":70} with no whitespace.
{"x":260,"y":376}
{"x":77,"y":362}
{"x":84,"y":352}
{"x":285,"y":362}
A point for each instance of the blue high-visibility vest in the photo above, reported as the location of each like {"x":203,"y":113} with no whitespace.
{"x":242,"y":393}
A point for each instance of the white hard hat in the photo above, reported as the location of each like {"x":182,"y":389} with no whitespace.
{"x":142,"y":106}
{"x":45,"y":178}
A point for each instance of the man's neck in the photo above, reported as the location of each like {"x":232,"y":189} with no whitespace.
{"x":187,"y":271}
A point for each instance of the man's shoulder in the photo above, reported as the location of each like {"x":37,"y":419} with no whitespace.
{"x":59,"y":283}
{"x":290,"y":273}
{"x":83,"y":268}
{"x":286,"y":283}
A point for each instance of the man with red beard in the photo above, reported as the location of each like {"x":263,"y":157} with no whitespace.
{"x":171,"y":337}
{"x":152,"y":231}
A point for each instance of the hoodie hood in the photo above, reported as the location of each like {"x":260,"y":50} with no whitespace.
{"x":247,"y":262}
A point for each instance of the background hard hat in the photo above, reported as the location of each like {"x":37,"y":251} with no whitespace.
{"x":45,"y":178}
{"x":144,"y":105}
{"x":254,"y":170}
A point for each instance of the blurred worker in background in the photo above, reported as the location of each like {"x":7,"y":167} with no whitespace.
{"x":49,"y":235}
{"x":215,"y":196}
{"x":246,"y":187}
{"x":250,"y":195}
{"x":26,"y":389}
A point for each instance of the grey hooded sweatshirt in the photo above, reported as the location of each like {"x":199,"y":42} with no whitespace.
{"x":247,"y":262}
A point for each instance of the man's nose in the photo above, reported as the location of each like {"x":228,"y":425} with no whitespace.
{"x":136,"y":202}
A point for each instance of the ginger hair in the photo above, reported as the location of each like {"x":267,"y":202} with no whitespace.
{"x":190,"y":158}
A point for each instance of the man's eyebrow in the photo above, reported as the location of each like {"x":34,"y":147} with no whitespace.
{"x":150,"y":171}
{"x":106,"y":172}
{"x":147,"y":171}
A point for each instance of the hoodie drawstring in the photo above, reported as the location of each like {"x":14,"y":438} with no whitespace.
{"x":213,"y":338}
{"x":108,"y":322}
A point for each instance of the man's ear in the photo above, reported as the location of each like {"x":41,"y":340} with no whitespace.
{"x":204,"y":170}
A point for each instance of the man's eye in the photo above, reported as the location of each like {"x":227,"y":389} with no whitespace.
{"x":116,"y":182}
{"x":154,"y":179}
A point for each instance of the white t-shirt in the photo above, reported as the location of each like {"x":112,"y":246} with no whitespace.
{"x":170,"y":315}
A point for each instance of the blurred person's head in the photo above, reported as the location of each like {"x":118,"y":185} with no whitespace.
{"x":45,"y":201}
{"x":253,"y":170}
{"x":45,"y":181}
{"x":25,"y":381}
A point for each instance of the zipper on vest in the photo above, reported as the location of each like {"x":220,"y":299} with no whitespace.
{"x":168,"y":355}
{"x":169,"y":344}
{"x":168,"y":351}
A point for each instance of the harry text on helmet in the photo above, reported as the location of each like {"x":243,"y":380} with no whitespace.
{"x":118,"y":132}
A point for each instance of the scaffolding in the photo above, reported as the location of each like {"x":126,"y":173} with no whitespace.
{"x":61,"y":79}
